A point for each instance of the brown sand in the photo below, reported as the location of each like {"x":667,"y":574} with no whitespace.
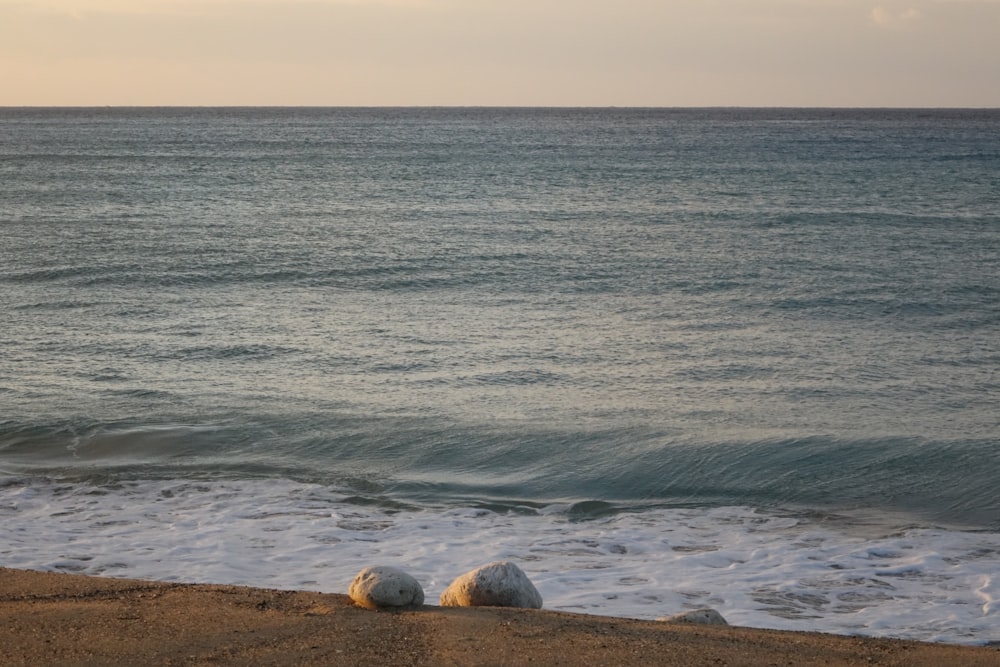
{"x":60,"y":619}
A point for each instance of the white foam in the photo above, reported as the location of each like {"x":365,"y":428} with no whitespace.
{"x":757,"y":570}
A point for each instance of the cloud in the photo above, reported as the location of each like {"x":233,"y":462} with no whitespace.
{"x":887,"y":18}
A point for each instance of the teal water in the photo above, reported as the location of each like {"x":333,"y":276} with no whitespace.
{"x":436,"y":307}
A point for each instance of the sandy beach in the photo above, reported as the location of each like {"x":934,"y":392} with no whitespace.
{"x":63,"y":619}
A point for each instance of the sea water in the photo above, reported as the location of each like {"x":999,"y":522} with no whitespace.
{"x":660,"y":358}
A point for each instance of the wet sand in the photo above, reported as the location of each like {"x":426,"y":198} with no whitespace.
{"x":61,"y":619}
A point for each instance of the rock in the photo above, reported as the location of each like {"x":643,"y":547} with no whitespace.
{"x":383,"y":586}
{"x":499,"y":584}
{"x":704,"y":616}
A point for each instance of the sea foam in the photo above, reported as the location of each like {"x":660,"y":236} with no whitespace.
{"x":758,"y":569}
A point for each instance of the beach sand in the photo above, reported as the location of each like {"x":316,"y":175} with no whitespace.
{"x":62,"y":619}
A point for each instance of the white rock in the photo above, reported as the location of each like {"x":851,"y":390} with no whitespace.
{"x":704,"y":616}
{"x":499,"y":584}
{"x":383,"y":586}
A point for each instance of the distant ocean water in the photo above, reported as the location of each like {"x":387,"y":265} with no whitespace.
{"x":660,"y":358}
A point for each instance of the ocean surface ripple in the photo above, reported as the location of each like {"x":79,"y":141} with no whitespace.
{"x":663,"y":358}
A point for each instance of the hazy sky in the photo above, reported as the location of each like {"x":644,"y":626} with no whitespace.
{"x":501,"y":52}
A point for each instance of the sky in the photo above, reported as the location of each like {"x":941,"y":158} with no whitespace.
{"x":882,"y":53}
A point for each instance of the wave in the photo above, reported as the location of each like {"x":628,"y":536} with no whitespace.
{"x":417,"y":461}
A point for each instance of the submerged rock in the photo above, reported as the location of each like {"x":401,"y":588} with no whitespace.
{"x":499,"y":584}
{"x":383,"y":586}
{"x":706,"y":616}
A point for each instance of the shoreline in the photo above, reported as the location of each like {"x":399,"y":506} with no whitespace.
{"x":51,"y":618}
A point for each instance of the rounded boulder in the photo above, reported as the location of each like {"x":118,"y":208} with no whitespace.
{"x":499,"y":584}
{"x":706,"y":616}
{"x":382,"y":586}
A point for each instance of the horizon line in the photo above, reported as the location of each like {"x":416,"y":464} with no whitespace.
{"x":494,"y":106}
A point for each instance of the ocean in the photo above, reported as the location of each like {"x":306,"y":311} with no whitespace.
{"x":660,"y":358}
